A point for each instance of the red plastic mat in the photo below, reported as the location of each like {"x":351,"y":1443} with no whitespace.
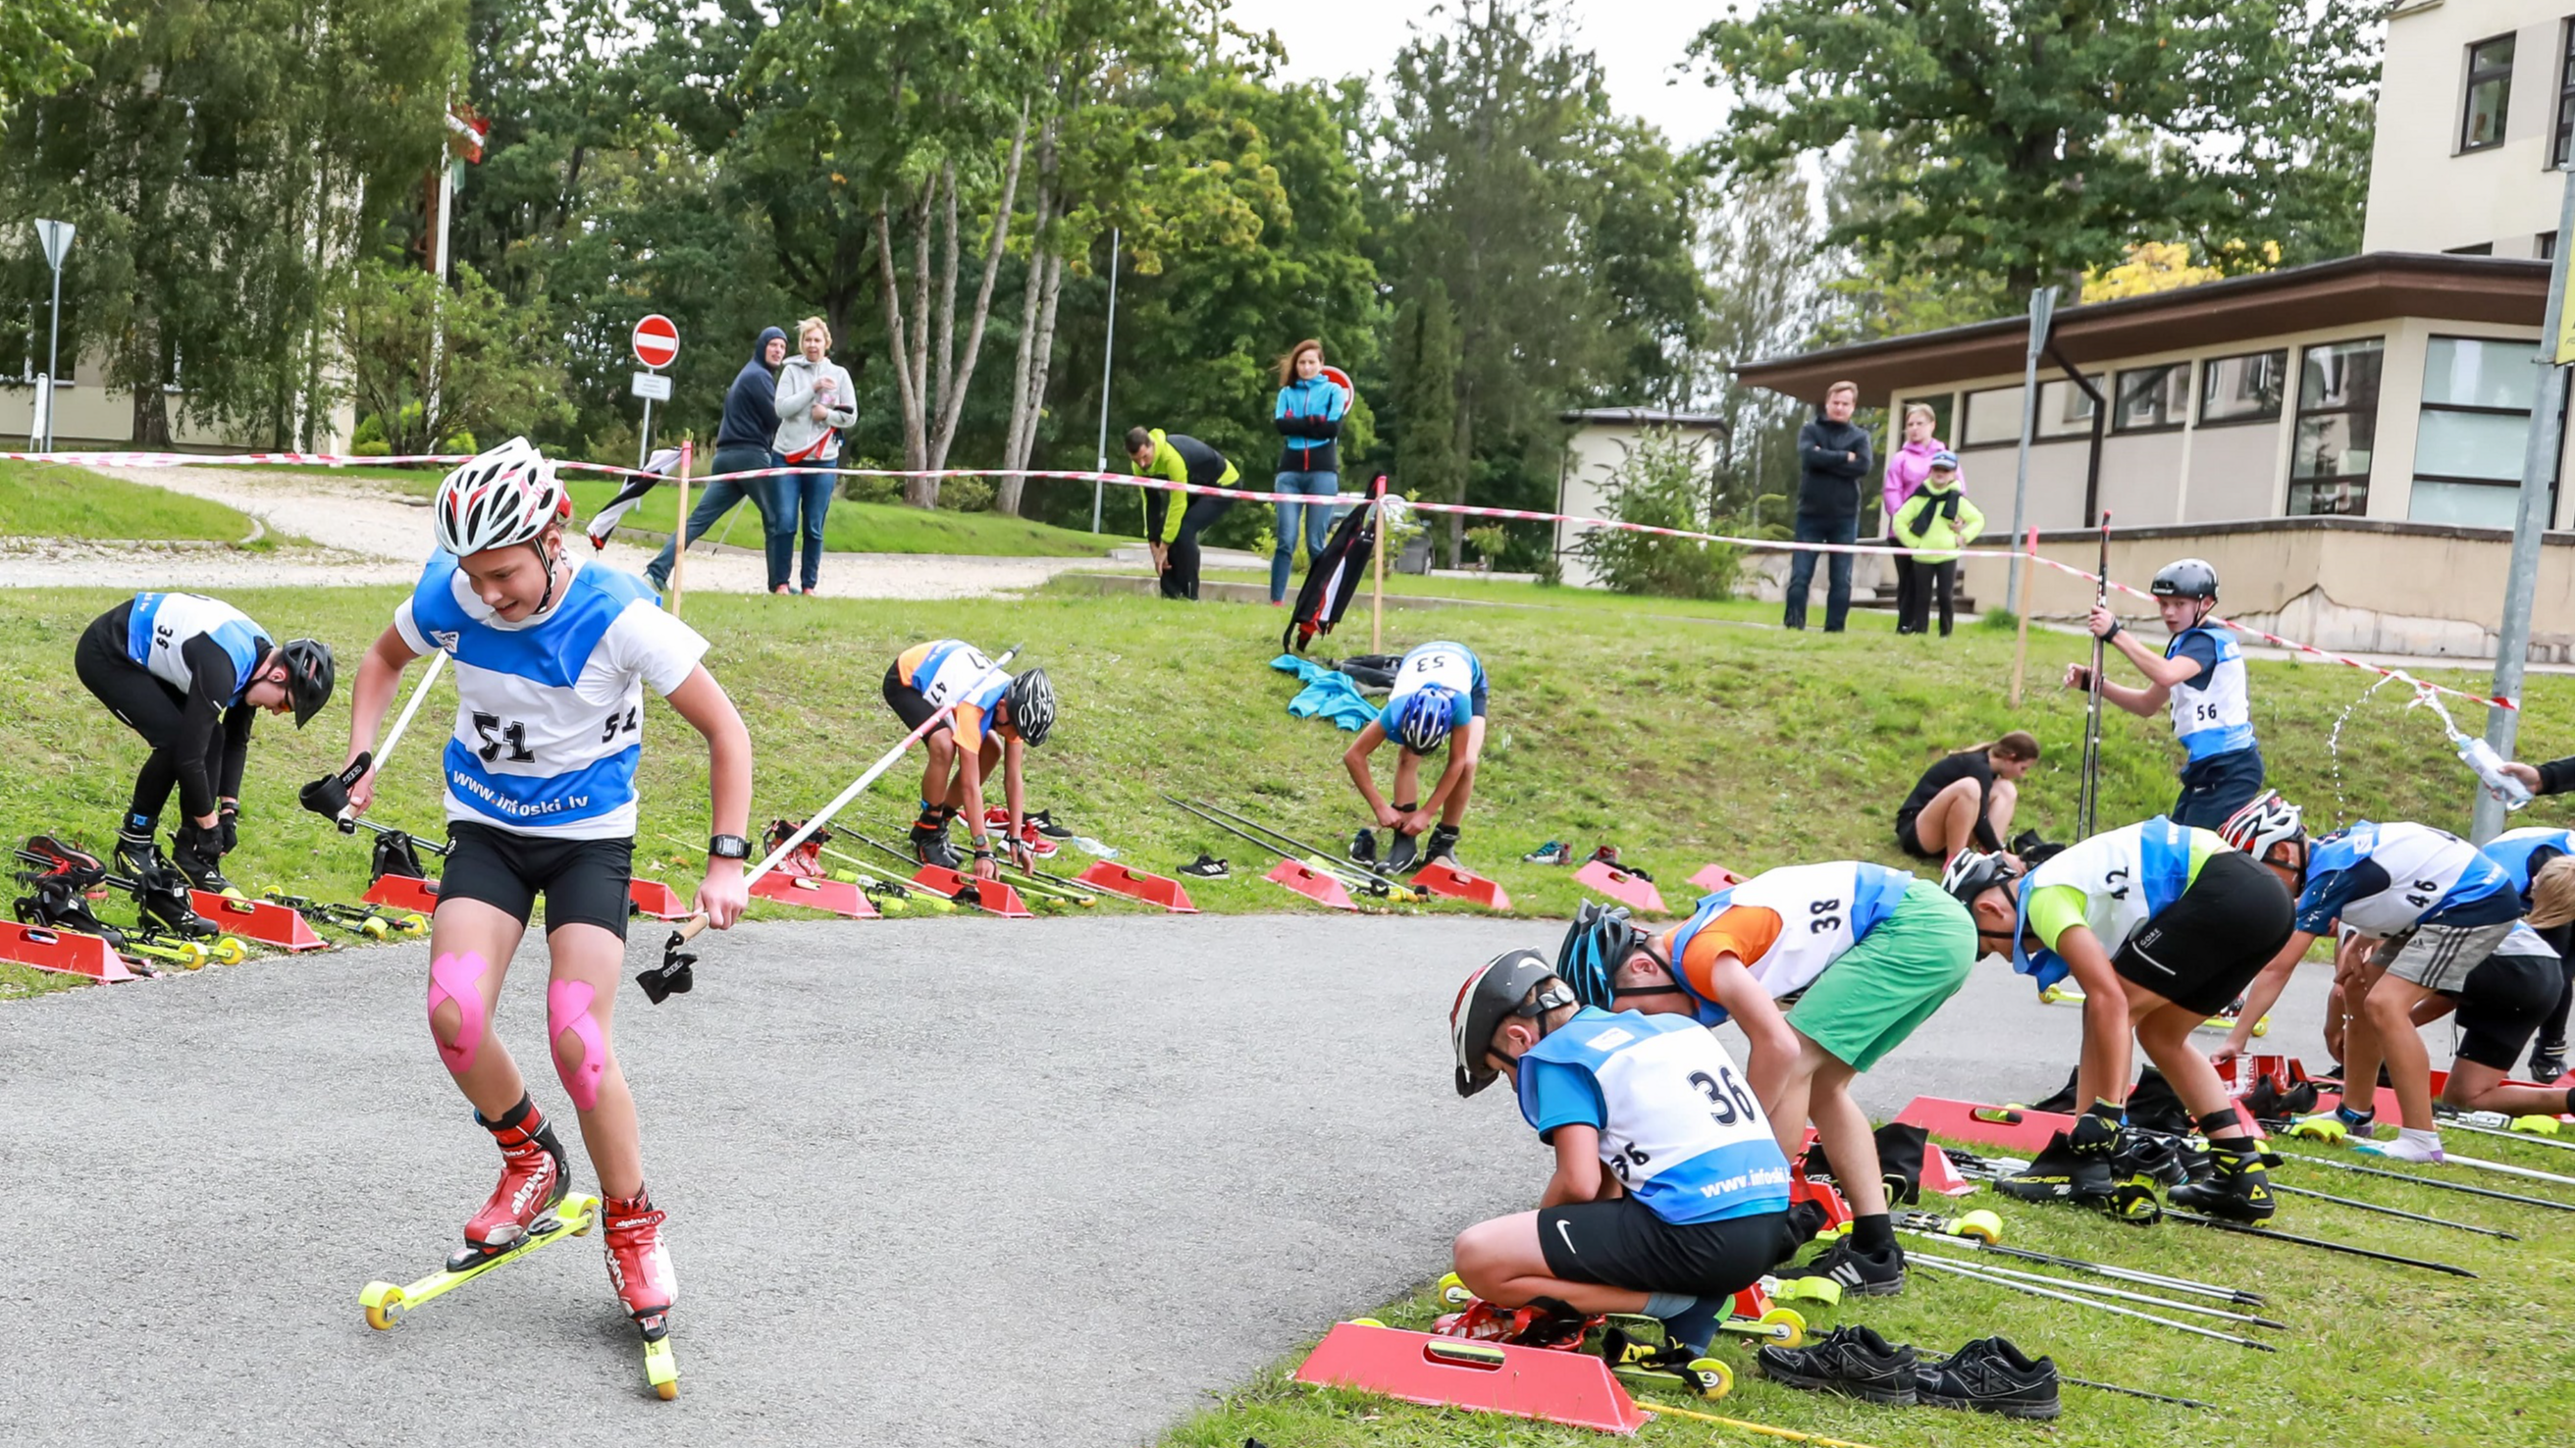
{"x":402,"y":892}
{"x":265,"y":921}
{"x":1314,"y":884}
{"x":991,"y":896}
{"x":1634,"y":891}
{"x":1442,"y":878}
{"x":838,"y":896}
{"x":67,"y":951}
{"x":1117,"y":879}
{"x":1575,"y":1389}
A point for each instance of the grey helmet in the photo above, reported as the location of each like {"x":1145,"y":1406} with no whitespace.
{"x":2185,"y":578}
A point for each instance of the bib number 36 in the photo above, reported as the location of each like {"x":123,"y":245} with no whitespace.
{"x":1726,"y":1094}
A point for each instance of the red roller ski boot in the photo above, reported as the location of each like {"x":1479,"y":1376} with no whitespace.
{"x":533,"y":1182}
{"x":640,"y":1269}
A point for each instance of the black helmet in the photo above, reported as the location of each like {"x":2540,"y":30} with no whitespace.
{"x":1971,"y":874}
{"x":1497,"y":992}
{"x":2185,"y":578}
{"x":1032,"y":701}
{"x":309,"y":676}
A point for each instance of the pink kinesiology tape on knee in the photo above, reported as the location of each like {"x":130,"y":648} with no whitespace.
{"x":568,"y":1009}
{"x":458,"y":978}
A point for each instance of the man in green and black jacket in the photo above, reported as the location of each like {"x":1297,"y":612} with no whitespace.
{"x":1173,"y":520}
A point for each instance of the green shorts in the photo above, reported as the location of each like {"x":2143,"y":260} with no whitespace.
{"x":1869,"y":1001}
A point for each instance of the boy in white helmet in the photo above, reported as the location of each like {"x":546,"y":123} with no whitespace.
{"x":2200,"y":680}
{"x":551,"y":656}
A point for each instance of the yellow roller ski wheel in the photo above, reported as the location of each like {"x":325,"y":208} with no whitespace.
{"x":375,"y":929}
{"x":1710,"y":1378}
{"x":1366,"y":1322}
{"x":230,"y":951}
{"x":1981,"y":1224}
{"x":1788,"y":1329}
{"x":413,"y":924}
{"x":1453,"y":1292}
{"x":2262,"y":1027}
{"x":384,"y":1304}
{"x":191,"y":954}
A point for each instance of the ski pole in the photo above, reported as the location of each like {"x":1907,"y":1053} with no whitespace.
{"x":674,"y":975}
{"x":2095,"y":1290}
{"x":2360,"y":1205}
{"x":891,"y":853}
{"x":1975,"y":1275}
{"x":2452,"y":1158}
{"x":1346,"y":867}
{"x":411,"y":706}
{"x":2137,"y":1276}
{"x":1742,"y":1426}
{"x":902,"y":889}
{"x":1317,"y":860}
{"x":2090,"y":792}
{"x":2464,"y":1123}
{"x":2136,"y":1393}
{"x":2197,"y":1220}
{"x":2422,"y":1181}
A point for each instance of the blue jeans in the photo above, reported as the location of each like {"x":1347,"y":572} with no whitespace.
{"x":1812,"y":528}
{"x":811,"y":495}
{"x":2219,"y":786}
{"x":715,"y":500}
{"x":1319,"y":522}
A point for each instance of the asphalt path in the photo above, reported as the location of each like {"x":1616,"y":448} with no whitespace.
{"x":930,"y":1182}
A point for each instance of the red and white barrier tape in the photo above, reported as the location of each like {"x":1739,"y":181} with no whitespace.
{"x":170,"y":459}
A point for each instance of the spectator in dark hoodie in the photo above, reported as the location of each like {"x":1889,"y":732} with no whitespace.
{"x":1833,"y":456}
{"x":742,"y":445}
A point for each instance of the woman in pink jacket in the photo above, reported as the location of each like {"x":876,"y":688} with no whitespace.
{"x":1905,"y":471}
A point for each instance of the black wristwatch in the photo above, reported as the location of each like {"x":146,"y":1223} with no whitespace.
{"x":728,"y":847}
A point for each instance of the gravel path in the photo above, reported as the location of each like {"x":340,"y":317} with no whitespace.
{"x":375,"y":534}
{"x":951,"y":1182}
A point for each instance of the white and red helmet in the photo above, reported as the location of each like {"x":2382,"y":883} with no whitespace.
{"x":501,"y":496}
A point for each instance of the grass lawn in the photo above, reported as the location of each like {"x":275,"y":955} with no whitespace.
{"x":2375,"y":1353}
{"x":1681,"y":744}
{"x":849,"y":528}
{"x":52,"y":500}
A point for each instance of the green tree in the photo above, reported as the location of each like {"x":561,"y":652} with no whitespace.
{"x":41,"y":43}
{"x":1427,"y":461}
{"x":1659,"y":485}
{"x":431,"y":362}
{"x":2030,"y":140}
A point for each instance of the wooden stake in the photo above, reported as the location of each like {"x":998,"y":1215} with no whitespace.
{"x":1377,"y":564}
{"x":680,"y":529}
{"x":2021,"y":642}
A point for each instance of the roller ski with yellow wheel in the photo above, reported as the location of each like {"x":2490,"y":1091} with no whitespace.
{"x":1753,"y":1315}
{"x":374,"y":922}
{"x":59,"y":878}
{"x":386,"y":1303}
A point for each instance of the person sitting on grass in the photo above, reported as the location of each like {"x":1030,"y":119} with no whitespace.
{"x":2200,"y":677}
{"x":1966,"y":799}
{"x":2447,"y":923}
{"x":2162,"y":925}
{"x":1936,"y":523}
{"x":1670,"y":1193}
{"x":1438,"y":698}
{"x":1174,"y":519}
{"x":1867,"y":953}
{"x":997,"y":719}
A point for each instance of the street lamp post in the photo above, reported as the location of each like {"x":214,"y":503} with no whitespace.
{"x":56,"y":238}
{"x":1108,"y":349}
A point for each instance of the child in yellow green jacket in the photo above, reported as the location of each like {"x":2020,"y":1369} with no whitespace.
{"x":1936,"y":523}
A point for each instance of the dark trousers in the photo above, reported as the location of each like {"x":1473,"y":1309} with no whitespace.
{"x":148,"y":706}
{"x":1941,"y":583}
{"x":1815,"y":528}
{"x":717,"y":499}
{"x":2552,"y":1038}
{"x":2216,"y":787}
{"x":1909,"y":584}
{"x":1181,"y":568}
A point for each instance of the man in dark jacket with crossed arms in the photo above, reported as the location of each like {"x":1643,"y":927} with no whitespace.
{"x":1833,"y":456}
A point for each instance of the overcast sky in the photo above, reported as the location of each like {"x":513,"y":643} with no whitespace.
{"x":1638,"y":42}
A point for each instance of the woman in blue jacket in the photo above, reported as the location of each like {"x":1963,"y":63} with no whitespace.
{"x":1309,"y":416}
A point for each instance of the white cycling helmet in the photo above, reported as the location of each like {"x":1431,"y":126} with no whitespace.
{"x":2265,"y":823}
{"x":502,"y":496}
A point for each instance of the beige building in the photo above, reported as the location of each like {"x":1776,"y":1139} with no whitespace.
{"x":2348,"y":435}
{"x":2487,"y":89}
{"x":1601,"y":444}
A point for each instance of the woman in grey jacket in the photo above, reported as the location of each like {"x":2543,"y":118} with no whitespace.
{"x":815,"y":401}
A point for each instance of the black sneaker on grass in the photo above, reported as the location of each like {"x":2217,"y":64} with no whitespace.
{"x":1990,"y":1375}
{"x":1364,"y":847}
{"x":1206,"y":867}
{"x":1879,"y":1275}
{"x":1853,"y":1361}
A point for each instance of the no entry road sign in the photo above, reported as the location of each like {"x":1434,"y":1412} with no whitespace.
{"x":656,"y":341}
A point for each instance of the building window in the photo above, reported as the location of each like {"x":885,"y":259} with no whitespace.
{"x":2242,"y":389}
{"x":2338,"y":416}
{"x":2564,"y":144}
{"x":2490,"y":94}
{"x":2152,"y":397}
{"x":1994,"y":415}
{"x":2545,"y":245}
{"x":2469,"y":436}
{"x":1942,"y":405}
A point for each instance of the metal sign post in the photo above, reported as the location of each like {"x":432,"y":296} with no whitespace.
{"x":2539,"y":464}
{"x":2043,"y":308}
{"x":56,"y":238}
{"x":657,"y":344}
{"x":1108,"y":349}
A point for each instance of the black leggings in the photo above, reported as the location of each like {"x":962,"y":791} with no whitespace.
{"x":148,"y":706}
{"x":1181,"y":577}
{"x":2552,"y":1040}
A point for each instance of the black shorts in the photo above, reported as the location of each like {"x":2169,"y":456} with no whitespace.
{"x":1620,"y":1243}
{"x":2502,"y":1003}
{"x":2200,"y":951}
{"x":1907,"y":841}
{"x":909,"y":704}
{"x":584,"y":880}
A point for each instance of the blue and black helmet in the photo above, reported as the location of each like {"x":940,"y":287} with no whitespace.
{"x":1423,"y":723}
{"x":1596,"y":945}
